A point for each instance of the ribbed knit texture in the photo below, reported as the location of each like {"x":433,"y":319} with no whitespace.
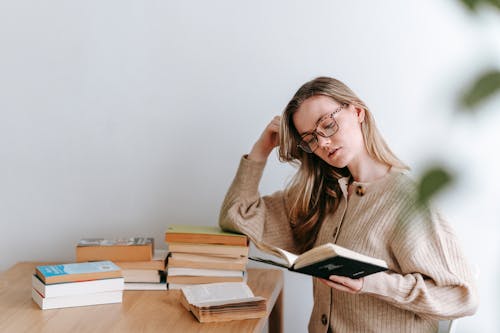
{"x":428,"y":278}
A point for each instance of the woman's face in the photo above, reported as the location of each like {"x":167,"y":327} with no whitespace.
{"x":345,"y":146}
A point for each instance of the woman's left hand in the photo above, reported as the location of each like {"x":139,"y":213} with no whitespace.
{"x":342,"y":283}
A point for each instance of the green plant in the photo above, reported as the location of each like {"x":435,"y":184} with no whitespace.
{"x":486,"y":85}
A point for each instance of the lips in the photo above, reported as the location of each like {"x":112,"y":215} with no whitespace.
{"x":333,"y":152}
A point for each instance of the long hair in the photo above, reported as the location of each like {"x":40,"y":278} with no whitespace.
{"x":314,"y":191}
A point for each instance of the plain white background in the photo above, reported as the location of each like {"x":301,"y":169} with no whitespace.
{"x":120,"y":117}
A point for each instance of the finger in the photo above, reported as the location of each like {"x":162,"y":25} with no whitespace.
{"x":274,"y":125}
{"x":353,"y":284}
{"x":340,"y":279}
{"x":338,"y":286}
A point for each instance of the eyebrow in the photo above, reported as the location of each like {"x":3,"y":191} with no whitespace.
{"x":316,"y":126}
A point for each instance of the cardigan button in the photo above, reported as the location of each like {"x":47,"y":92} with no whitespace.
{"x":360,"y":190}
{"x":324,"y":320}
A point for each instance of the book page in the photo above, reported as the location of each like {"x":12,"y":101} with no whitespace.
{"x":276,"y":251}
{"x":329,"y":250}
{"x":289,"y":256}
{"x":227,"y":304}
{"x":217,"y":293}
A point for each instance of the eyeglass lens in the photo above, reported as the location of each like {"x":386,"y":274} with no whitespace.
{"x":326,"y":128}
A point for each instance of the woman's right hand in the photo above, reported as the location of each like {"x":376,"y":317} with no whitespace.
{"x":268,"y":140}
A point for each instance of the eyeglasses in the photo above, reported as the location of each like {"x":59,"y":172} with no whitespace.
{"x":325,"y":127}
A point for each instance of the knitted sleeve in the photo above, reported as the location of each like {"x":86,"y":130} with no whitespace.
{"x":433,"y":278}
{"x":262,"y":219}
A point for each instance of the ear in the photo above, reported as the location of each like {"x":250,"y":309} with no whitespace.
{"x":360,"y":114}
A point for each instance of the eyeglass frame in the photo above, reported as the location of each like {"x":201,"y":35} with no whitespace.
{"x":315,"y":133}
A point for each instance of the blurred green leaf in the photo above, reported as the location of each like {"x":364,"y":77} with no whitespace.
{"x":473,"y":4}
{"x":433,"y":181}
{"x":485,"y":86}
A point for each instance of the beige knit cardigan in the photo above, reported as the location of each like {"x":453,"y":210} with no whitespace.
{"x":428,"y":277}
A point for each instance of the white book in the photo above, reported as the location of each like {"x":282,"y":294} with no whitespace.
{"x":106,"y":297}
{"x":76,"y":288}
{"x":145,"y":286}
{"x":181,"y":271}
{"x":177,"y":286}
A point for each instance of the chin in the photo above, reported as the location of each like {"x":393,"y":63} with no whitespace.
{"x":336,"y":163}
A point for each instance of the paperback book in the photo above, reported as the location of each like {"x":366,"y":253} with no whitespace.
{"x":177,"y":233}
{"x":176,"y":271}
{"x":157,"y":263}
{"x":222,"y":302}
{"x":206,"y":261}
{"x":233,"y":251}
{"x":145,"y":286}
{"x":76,"y":288}
{"x":75,"y":272}
{"x":129,"y":249}
{"x":105,"y":297}
{"x":186,"y":279}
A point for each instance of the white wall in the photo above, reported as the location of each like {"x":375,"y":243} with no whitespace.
{"x":120,"y":117}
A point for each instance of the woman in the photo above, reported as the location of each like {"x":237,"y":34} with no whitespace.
{"x":350,"y":189}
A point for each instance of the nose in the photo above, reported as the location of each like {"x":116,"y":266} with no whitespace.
{"x":323,"y":142}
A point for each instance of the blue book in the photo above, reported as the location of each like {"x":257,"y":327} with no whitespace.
{"x":75,"y":272}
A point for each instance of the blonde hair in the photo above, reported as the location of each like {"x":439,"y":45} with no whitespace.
{"x":314,"y":190}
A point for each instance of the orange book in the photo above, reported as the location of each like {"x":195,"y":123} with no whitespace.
{"x":177,"y":259}
{"x":203,"y":235}
{"x":131,"y":249}
{"x":212,"y":249}
{"x":158,"y":262}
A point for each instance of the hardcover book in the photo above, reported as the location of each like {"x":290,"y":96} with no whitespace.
{"x":130,"y":249}
{"x":74,"y":272}
{"x":222,"y":302}
{"x":325,"y":260}
{"x":177,"y":233}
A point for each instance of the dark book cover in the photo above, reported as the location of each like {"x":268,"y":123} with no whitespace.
{"x":340,"y":266}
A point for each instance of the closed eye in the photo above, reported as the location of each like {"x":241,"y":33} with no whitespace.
{"x":329,"y":125}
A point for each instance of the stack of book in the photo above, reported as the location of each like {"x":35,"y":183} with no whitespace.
{"x":77,"y":284}
{"x":204,"y":254}
{"x":143,"y":267}
{"x":145,"y":275}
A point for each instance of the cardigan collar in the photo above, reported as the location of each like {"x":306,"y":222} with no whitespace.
{"x":362,"y":188}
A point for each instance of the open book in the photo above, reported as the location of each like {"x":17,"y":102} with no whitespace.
{"x":214,"y":302}
{"x":325,"y":260}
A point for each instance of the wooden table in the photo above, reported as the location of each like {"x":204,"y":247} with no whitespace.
{"x":141,"y":311}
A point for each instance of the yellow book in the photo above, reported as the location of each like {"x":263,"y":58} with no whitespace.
{"x":178,"y":233}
